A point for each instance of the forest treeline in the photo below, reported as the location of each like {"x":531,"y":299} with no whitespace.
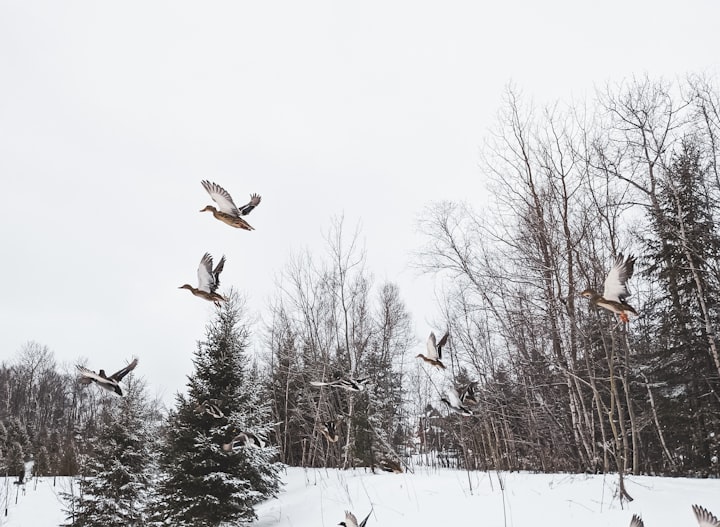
{"x":560,"y":385}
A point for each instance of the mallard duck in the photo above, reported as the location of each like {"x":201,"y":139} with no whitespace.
{"x":452,"y":401}
{"x":228,"y":212}
{"x":112,"y":383}
{"x":242,"y":440}
{"x":467,"y":394}
{"x":346,"y":383}
{"x":704,"y":517}
{"x":210,"y":407}
{"x":329,"y":430}
{"x":351,"y":521}
{"x":390,"y":465}
{"x":208,"y":280}
{"x":434,"y":350}
{"x":616,"y":290}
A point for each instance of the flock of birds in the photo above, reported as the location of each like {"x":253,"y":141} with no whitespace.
{"x":457,"y":400}
{"x":208,"y":283}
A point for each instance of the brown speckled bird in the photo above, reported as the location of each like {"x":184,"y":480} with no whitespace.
{"x":208,"y":280}
{"x":615,"y":290}
{"x":227,"y":211}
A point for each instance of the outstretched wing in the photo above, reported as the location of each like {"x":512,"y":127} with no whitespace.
{"x":432,"y":350}
{"x":636,"y":521}
{"x":118,"y":375}
{"x":221,"y":197}
{"x":206,"y":278}
{"x":88,"y":376}
{"x":441,"y":343}
{"x":615,"y":284}
{"x":350,"y":519}
{"x":453,"y":397}
{"x":216,"y":274}
{"x":704,"y":517}
{"x":249,"y":206}
{"x":362,"y":523}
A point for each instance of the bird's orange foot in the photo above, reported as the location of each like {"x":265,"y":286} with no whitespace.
{"x":624,"y":318}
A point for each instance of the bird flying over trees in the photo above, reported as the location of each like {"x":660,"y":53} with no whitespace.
{"x":208,"y":280}
{"x":111,"y":383}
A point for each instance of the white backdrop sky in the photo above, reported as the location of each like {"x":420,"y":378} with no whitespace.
{"x":112,"y":112}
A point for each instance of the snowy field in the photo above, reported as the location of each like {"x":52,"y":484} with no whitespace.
{"x":436,"y":498}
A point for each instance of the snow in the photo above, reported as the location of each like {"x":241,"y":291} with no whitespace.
{"x":39,"y":505}
{"x":435,"y":497}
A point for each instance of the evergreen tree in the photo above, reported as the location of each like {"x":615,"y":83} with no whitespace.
{"x":683,"y":252}
{"x":205,"y":485}
{"x":14,"y":464}
{"x":120,"y":468}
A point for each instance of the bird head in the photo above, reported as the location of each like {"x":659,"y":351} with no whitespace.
{"x":209,"y":208}
{"x":185,"y":286}
{"x":587,"y":293}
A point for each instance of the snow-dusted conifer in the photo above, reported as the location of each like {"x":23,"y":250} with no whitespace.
{"x":117,"y":477}
{"x":205,"y":485}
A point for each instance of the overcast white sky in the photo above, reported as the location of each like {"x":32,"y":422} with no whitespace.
{"x":112,"y":112}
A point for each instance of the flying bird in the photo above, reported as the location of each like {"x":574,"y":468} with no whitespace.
{"x":329,"y":430}
{"x":452,"y":401}
{"x":351,"y":521}
{"x":112,"y":383}
{"x":208,"y":280}
{"x":704,"y":517}
{"x":210,"y":407}
{"x":346,"y":383}
{"x":227,"y":211}
{"x":616,"y":290}
{"x":242,"y":440}
{"x":467,"y":394}
{"x":434,"y":350}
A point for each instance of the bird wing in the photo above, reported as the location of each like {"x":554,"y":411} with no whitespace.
{"x":90,"y":375}
{"x":221,"y":197}
{"x":453,"y":397}
{"x":206,"y":280}
{"x":350,"y":519}
{"x":704,"y":517}
{"x":118,"y":375}
{"x":362,"y":523}
{"x":216,"y":274}
{"x":432,"y":351}
{"x":443,"y":340}
{"x":636,"y":521}
{"x":250,"y":205}
{"x":320,"y":383}
{"x":615,"y":284}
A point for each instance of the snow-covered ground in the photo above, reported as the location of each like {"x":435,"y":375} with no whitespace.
{"x":437,"y":498}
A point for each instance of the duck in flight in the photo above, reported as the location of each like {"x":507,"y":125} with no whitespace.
{"x":615,"y":290}
{"x":111,"y":383}
{"x":346,"y":383}
{"x":351,"y":520}
{"x":210,"y":407}
{"x":434,"y":350}
{"x":226,"y":210}
{"x":208,"y":280}
{"x":703,"y":516}
{"x":242,"y":440}
{"x":454,"y":404}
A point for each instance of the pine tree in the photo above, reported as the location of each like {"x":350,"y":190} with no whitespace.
{"x":683,"y":252}
{"x":205,"y":485}
{"x":116,"y":488}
